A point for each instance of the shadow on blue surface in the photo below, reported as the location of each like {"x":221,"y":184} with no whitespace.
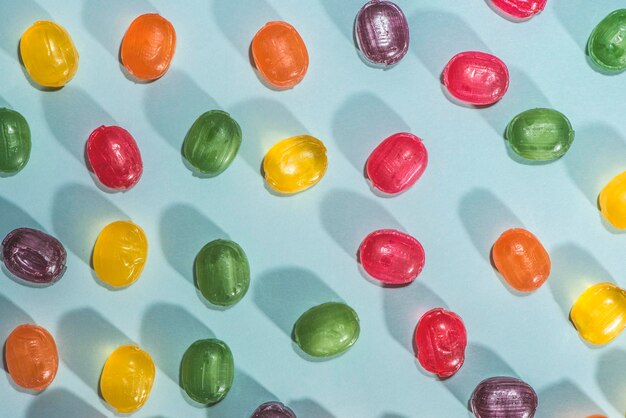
{"x":19,"y":15}
{"x":343,"y":15}
{"x":564,"y":399}
{"x":12,"y":316}
{"x":578,"y":17}
{"x":611,"y":378}
{"x":12,"y":217}
{"x":309,"y":408}
{"x":60,"y":403}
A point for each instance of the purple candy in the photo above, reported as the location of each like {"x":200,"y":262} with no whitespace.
{"x":382,"y":32}
{"x":33,"y":256}
{"x":273,"y":410}
{"x":503,"y":397}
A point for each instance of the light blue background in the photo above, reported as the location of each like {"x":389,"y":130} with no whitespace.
{"x":302,"y":248}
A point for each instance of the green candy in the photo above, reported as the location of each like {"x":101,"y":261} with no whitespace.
{"x":207,"y":371}
{"x":14,"y":141}
{"x":222,"y":272}
{"x":607,"y":43}
{"x":540,"y":134}
{"x":327,"y":329}
{"x":212,"y":142}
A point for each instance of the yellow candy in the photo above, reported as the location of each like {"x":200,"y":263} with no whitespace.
{"x":127,"y":378}
{"x":599,"y":314}
{"x":120,"y":253}
{"x":295,"y":164}
{"x":612,"y":201}
{"x":49,"y":54}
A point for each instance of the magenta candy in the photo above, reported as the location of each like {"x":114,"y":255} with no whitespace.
{"x":503,"y":397}
{"x":114,"y":157}
{"x":440,"y":341}
{"x":476,"y":78}
{"x":397,"y":163}
{"x":392,"y":257}
{"x":520,"y":9}
{"x":273,"y":410}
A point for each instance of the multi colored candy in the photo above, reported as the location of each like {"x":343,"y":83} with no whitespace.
{"x":503,"y":397}
{"x":49,"y":54}
{"x":607,"y":43}
{"x":33,"y":256}
{"x":127,"y":378}
{"x":612,"y":201}
{"x":599,"y":313}
{"x":31,"y":357}
{"x":207,"y":371}
{"x":273,"y":410}
{"x":520,"y":9}
{"x":15,"y":141}
{"x":148,"y":47}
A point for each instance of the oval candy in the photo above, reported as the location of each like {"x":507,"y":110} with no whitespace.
{"x":273,"y":410}
{"x":607,"y":42}
{"x":222,"y":272}
{"x":15,"y":143}
{"x":397,"y":163}
{"x":31,"y":357}
{"x":49,"y":54}
{"x":295,"y":164}
{"x":212,"y":142}
{"x":500,"y":397}
{"x":599,"y":313}
{"x":612,"y":201}
{"x":382,"y":32}
{"x":520,"y":9}
{"x":476,"y":78}
{"x":127,"y":378}
{"x":521,"y":259}
{"x":540,"y":134}
{"x":327,"y":329}
{"x":207,"y":371}
{"x":120,"y":253}
{"x":280,"y":55}
{"x":114,"y":157}
{"x":440,"y":341}
{"x":148,"y":47}
{"x":34,"y":256}
{"x":391,"y":256}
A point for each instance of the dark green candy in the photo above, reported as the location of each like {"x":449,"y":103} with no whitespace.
{"x":327,"y":330}
{"x":607,"y":43}
{"x":14,"y":141}
{"x":212,"y":142}
{"x":222,"y":272}
{"x":540,"y":134}
{"x":207,"y":371}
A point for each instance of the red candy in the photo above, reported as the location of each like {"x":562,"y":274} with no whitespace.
{"x":440,"y":341}
{"x":392,"y":257}
{"x":397,"y":163}
{"x":476,"y":78}
{"x":114,"y":157}
{"x":520,"y":9}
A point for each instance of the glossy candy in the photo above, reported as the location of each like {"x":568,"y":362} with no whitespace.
{"x":49,"y":54}
{"x":397,"y":163}
{"x":476,"y":78}
{"x":222,"y":272}
{"x":120,"y":253}
{"x":607,"y":43}
{"x":212,"y":142}
{"x":392,"y":257}
{"x":148,"y":47}
{"x":33,"y":256}
{"x":327,"y":329}
{"x":31,"y":357}
{"x":280,"y":55}
{"x":440,"y":340}
{"x":127,"y":378}
{"x":503,"y":397}
{"x":599,"y":313}
{"x":540,"y":134}
{"x":273,"y":410}
{"x":520,"y":9}
{"x":114,"y":157}
{"x":612,"y":201}
{"x":207,"y":371}
{"x":15,"y":141}
{"x":295,"y":164}
{"x":521,"y":259}
{"x":382,"y":32}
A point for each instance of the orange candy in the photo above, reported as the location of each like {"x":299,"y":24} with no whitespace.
{"x":521,"y":260}
{"x":31,"y":357}
{"x":280,"y":55}
{"x":148,"y":47}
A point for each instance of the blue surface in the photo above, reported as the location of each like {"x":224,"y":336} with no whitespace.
{"x":302,"y":248}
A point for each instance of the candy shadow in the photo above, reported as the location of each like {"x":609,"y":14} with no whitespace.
{"x":610,"y":377}
{"x":577,"y":22}
{"x":244,"y":397}
{"x":564,"y":399}
{"x":60,"y":403}
{"x":310,"y":408}
{"x":20,"y":15}
{"x":12,"y":316}
{"x":12,"y":217}
{"x":343,"y":15}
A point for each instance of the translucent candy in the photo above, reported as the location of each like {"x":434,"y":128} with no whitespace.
{"x":392,"y":257}
{"x":49,"y":54}
{"x":120,"y":253}
{"x":612,"y":201}
{"x":520,"y":9}
{"x":503,"y":397}
{"x":127,"y":378}
{"x":207,"y":371}
{"x":397,"y":163}
{"x":607,"y":43}
{"x":33,"y":256}
{"x":295,"y":164}
{"x":273,"y":410}
{"x":599,"y":314}
{"x":31,"y":357}
{"x":15,"y":141}
{"x":148,"y":47}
